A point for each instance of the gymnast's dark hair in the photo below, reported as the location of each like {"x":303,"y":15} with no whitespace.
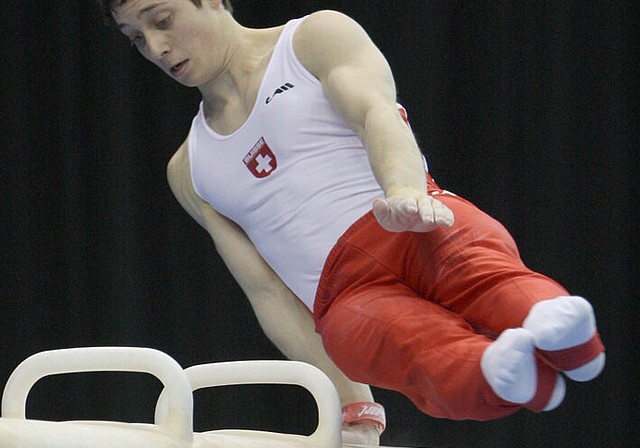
{"x":107,"y":5}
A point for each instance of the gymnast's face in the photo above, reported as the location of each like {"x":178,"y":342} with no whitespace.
{"x":182,"y":39}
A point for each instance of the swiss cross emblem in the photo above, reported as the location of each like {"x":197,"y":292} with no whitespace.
{"x":260,"y":160}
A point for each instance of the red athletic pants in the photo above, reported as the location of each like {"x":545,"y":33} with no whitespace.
{"x":413,"y":312}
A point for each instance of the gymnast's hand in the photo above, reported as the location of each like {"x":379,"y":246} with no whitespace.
{"x":360,"y":434}
{"x":411,"y":213}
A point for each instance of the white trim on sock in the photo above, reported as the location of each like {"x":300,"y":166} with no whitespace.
{"x":557,"y":395}
{"x":588,"y":371}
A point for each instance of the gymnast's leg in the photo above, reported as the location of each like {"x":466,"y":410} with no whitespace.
{"x":386,"y":335}
{"x":476,"y":271}
{"x":474,"y":282}
{"x":379,"y":331}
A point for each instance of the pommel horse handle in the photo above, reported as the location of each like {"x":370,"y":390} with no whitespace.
{"x":179,"y":419}
{"x":328,"y":432}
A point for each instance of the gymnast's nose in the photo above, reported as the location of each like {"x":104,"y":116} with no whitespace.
{"x":157,"y":46}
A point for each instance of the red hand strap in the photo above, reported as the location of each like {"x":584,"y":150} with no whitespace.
{"x":370,"y":413}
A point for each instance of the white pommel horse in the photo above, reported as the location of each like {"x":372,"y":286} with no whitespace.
{"x":173,"y":422}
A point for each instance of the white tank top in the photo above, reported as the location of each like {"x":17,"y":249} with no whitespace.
{"x":294,"y":176}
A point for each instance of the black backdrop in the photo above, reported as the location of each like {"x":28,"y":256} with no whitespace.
{"x":526,"y":108}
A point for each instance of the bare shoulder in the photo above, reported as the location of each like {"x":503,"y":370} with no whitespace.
{"x":178,"y":170}
{"x":179,"y":178}
{"x":325,"y":23}
{"x":325,"y":38}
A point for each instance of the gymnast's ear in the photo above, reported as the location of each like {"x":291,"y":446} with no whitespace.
{"x":225,"y":4}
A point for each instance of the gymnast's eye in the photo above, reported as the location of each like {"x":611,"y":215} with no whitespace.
{"x":163,"y":23}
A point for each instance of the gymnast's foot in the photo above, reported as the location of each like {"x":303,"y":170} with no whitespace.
{"x":562,"y":323}
{"x":509,"y":366}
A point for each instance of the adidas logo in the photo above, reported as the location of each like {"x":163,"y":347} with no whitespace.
{"x":281,"y":89}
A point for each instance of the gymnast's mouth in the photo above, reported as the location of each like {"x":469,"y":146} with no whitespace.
{"x":178,"y":69}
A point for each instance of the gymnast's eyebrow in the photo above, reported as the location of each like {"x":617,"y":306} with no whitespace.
{"x":142,"y":11}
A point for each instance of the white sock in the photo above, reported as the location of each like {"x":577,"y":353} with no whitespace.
{"x":509,"y":366}
{"x":560,"y":323}
{"x":564,"y":322}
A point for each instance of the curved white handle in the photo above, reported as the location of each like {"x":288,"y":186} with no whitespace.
{"x":328,"y":432}
{"x":179,"y":418}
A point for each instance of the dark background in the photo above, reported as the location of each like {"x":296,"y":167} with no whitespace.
{"x":529,"y":109}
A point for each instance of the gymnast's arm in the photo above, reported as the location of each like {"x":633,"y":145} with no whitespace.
{"x":358,"y":81}
{"x":282,"y":316}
